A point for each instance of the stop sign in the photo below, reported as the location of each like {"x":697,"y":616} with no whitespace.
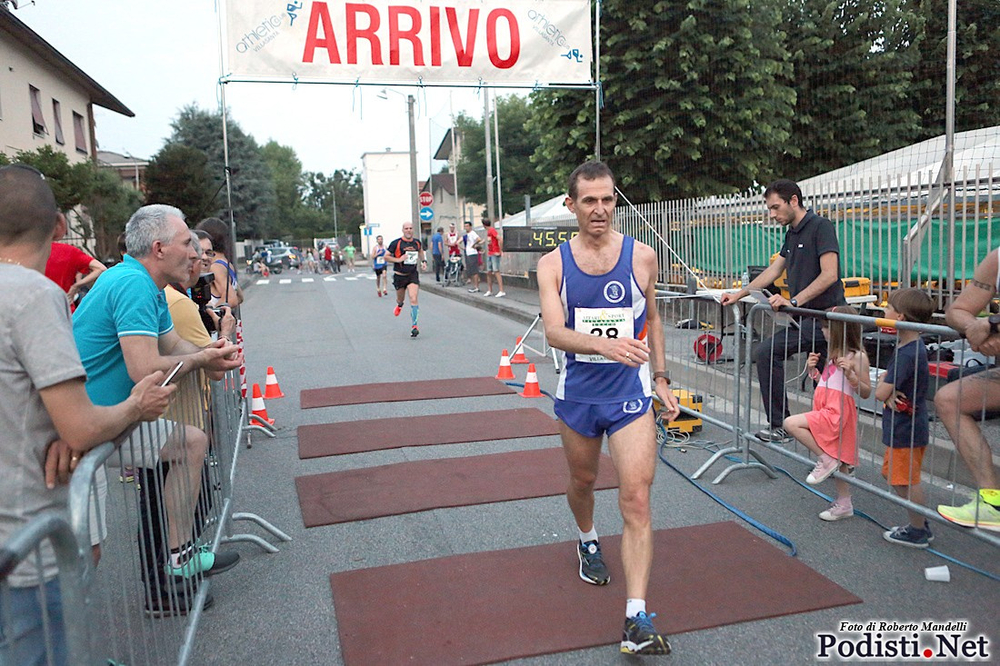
{"x":426,"y":198}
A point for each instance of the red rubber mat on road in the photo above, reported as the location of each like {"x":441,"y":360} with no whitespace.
{"x":389,"y":490}
{"x":431,"y":389}
{"x":495,"y":606}
{"x":334,"y":439}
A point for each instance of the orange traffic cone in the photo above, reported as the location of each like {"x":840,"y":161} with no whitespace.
{"x":531,"y":388}
{"x":505,"y":371}
{"x":519,"y":357}
{"x":257,"y":406}
{"x":271,"y":388}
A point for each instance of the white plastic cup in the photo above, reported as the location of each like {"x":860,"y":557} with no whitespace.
{"x":940,"y":574}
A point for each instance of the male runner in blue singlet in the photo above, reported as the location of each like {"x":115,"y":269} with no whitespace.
{"x":378,"y":264}
{"x":598,"y":303}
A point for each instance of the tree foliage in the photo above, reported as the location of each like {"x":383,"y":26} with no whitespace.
{"x":342,"y":190}
{"x":178,"y":175}
{"x":518,"y":176}
{"x":69,"y":182}
{"x":109,"y":204}
{"x":977,"y":66}
{"x":96,"y":202}
{"x":288,"y":179}
{"x":696,"y":100}
{"x":253,"y":197}
{"x":853,"y":71}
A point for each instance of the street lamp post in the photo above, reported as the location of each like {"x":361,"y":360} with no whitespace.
{"x":333,"y":190}
{"x":414,"y":207}
{"x":414,"y":210}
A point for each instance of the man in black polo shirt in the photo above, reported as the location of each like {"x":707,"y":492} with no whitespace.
{"x":404,"y":254}
{"x":810,"y":256}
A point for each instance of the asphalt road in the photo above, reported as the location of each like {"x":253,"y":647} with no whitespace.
{"x":278,"y":609}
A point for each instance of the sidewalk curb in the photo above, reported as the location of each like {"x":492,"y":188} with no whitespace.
{"x":520,"y":312}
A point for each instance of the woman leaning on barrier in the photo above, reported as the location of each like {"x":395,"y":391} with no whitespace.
{"x":225,"y":282}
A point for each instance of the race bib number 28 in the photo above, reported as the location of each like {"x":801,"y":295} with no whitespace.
{"x":603,"y":322}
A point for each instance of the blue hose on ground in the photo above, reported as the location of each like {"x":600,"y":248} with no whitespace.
{"x":756,"y":524}
{"x":826,"y":497}
{"x":515,"y":384}
{"x":864,"y":515}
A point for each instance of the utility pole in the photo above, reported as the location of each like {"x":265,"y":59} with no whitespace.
{"x":489,"y":156}
{"x":414,"y":195}
{"x":333,"y":189}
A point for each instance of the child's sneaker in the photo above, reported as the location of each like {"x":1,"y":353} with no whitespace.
{"x":837,"y":511}
{"x":127,"y":475}
{"x":824,"y":468}
{"x":907,"y":535}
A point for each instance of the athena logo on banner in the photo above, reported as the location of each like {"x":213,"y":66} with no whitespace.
{"x":513,"y":42}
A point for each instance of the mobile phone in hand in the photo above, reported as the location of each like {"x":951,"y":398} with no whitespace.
{"x":173,"y":373}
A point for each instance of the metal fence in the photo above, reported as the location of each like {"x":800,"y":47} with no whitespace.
{"x":163,"y":484}
{"x":710,"y":351}
{"x":892,"y":230}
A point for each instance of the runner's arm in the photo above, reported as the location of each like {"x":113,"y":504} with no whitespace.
{"x":646,"y":257}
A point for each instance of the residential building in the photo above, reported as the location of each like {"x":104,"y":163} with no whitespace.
{"x":46,"y":100}
{"x":449,"y":204}
{"x":385,"y":178}
{"x":132,"y":170}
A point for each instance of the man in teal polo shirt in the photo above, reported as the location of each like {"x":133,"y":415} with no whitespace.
{"x":123,"y":332}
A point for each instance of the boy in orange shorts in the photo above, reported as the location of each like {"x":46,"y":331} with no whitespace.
{"x":905,"y":422}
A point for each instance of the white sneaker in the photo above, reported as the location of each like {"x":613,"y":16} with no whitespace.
{"x":837,"y":511}
{"x":488,"y":293}
{"x":501,"y":294}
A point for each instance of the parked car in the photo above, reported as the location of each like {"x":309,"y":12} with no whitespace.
{"x":288,"y":256}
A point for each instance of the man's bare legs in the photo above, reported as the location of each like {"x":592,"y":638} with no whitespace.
{"x":633,"y":450}
{"x":583,"y":456}
{"x":954,"y":404}
{"x":185,"y":450}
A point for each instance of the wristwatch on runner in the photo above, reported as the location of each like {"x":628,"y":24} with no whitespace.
{"x":662,"y":375}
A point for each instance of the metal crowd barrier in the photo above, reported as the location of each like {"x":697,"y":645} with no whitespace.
{"x":164,"y":483}
{"x":56,"y":641}
{"x":709,"y":349}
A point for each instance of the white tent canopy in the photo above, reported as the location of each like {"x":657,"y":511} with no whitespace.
{"x":975,"y":148}
{"x":548,"y":212}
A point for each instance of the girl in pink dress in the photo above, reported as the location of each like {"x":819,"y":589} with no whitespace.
{"x":830,"y":429}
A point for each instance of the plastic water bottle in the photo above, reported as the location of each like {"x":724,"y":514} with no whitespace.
{"x":746,"y":280}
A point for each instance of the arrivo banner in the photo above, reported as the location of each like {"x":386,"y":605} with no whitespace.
{"x":500,"y":42}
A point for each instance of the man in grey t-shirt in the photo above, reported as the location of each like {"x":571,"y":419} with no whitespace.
{"x":47,"y":419}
